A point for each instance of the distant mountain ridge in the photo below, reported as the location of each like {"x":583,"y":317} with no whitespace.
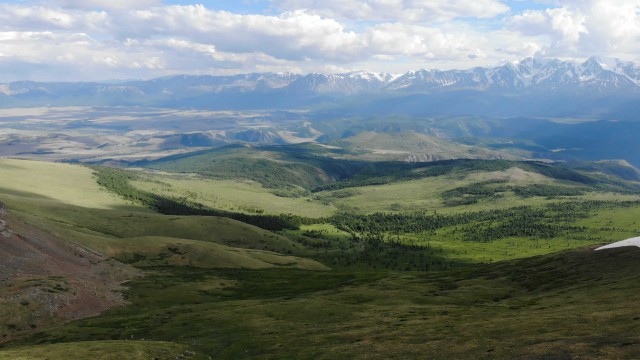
{"x":531,"y":76}
{"x":528,"y":74}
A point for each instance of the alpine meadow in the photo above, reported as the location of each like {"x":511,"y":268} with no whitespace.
{"x":291,"y":179}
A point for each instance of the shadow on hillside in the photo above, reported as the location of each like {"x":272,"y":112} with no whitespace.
{"x":25,"y":194}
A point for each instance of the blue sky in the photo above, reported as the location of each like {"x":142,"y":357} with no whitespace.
{"x":100,"y":39}
{"x":265,"y":7}
{"x":237,"y":6}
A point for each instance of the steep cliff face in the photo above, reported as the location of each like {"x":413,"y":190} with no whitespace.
{"x":45,"y":280}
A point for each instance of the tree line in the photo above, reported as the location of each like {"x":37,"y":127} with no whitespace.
{"x":117,"y":182}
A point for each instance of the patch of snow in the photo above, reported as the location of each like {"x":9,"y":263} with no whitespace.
{"x":395,"y":76}
{"x":369,"y":76}
{"x":5,"y":89}
{"x":624,"y":243}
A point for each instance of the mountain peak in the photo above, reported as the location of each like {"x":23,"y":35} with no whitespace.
{"x":594,"y":63}
{"x":531,"y":74}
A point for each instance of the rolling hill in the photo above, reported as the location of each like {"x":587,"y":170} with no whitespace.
{"x":572,"y":304}
{"x":65,"y":244}
{"x":456,"y":258}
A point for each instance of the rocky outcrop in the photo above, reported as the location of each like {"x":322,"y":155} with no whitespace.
{"x":426,"y":157}
{"x":4,"y":232}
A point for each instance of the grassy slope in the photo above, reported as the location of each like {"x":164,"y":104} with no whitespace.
{"x":282,"y":168}
{"x":399,"y":146}
{"x":157,"y":250}
{"x":99,"y":350}
{"x":59,"y":183}
{"x":427,"y":193}
{"x":577,"y":304}
{"x":243,"y":196}
{"x":75,"y":208}
{"x":410,"y":195}
{"x":390,"y":187}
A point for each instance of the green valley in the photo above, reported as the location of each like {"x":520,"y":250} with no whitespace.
{"x":448,"y":259}
{"x":305,"y":179}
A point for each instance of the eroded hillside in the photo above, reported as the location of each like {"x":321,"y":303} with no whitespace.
{"x":47,"y":280}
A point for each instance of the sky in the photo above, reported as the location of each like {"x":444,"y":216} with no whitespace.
{"x":91,"y":40}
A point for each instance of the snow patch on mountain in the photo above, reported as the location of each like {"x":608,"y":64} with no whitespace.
{"x":542,"y":75}
{"x":5,"y":89}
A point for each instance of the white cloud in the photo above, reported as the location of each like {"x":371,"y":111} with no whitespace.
{"x":62,"y":49}
{"x":612,"y":26}
{"x":33,"y":18}
{"x":563,"y":25}
{"x":103,"y":4}
{"x":420,"y":41}
{"x":77,"y":56}
{"x":584,"y":28}
{"x":295,"y":35}
{"x":399,"y":10}
{"x":99,"y":39}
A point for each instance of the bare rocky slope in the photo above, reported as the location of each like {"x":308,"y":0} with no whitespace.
{"x":46,"y":280}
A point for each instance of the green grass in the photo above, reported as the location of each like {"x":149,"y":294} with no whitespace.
{"x":287,"y":169}
{"x":124,"y":224}
{"x":99,"y":350}
{"x":376,"y":186}
{"x":371,"y":145}
{"x":415,"y":194}
{"x":427,"y":193}
{"x":325,"y":231}
{"x":57,"y":183}
{"x":151,"y":239}
{"x":126,"y":233}
{"x":568,"y":305}
{"x":498,"y":235}
{"x":212,"y":288}
{"x":243,"y":196}
{"x":448,"y":246}
{"x":155,"y":250}
{"x":81,"y":212}
{"x":602,"y":226}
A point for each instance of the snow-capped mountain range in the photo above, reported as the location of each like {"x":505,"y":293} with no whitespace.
{"x":530,"y":73}
{"x":528,"y":76}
